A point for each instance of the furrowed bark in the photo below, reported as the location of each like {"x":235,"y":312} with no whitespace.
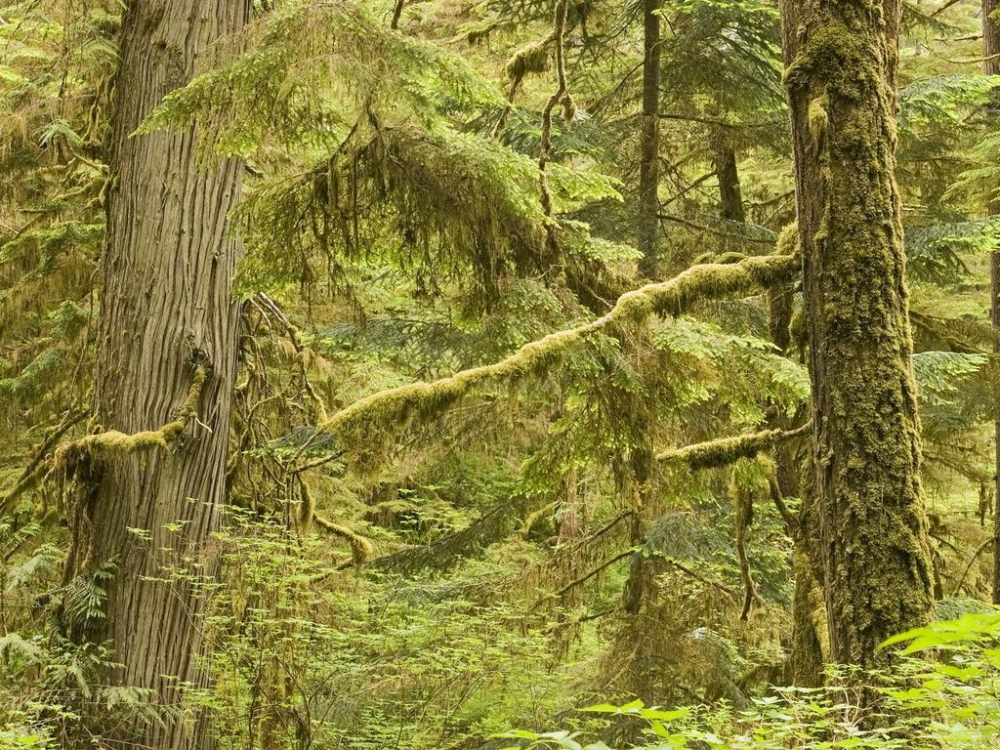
{"x":167,"y":314}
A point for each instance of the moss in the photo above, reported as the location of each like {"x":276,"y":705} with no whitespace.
{"x":531,"y":58}
{"x":724,"y":451}
{"x":818,"y":119}
{"x":364,"y":427}
{"x":307,"y":509}
{"x":840,"y":54}
{"x":788,"y":240}
{"x":101,"y":446}
{"x":840,"y":74}
{"x":361,"y":548}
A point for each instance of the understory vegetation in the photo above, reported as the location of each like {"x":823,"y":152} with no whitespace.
{"x":481,"y":374}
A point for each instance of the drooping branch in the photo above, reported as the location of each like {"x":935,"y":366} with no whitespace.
{"x":715,"y":453}
{"x":371,"y":420}
{"x":361,"y":548}
{"x":35,"y":472}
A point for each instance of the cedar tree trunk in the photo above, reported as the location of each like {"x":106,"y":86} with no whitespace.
{"x":167,"y":318}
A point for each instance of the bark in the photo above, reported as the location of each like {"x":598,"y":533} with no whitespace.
{"x":840,"y":74}
{"x":649,"y":144}
{"x":167,"y":318}
{"x":991,"y":66}
{"x":641,"y":573}
{"x":730,"y":196}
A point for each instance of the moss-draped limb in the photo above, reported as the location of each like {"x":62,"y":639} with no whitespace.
{"x":361,"y":548}
{"x":109,"y":443}
{"x":727,"y":450}
{"x":369,"y":421}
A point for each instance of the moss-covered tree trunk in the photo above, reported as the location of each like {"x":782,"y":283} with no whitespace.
{"x":168,"y":318}
{"x":840,"y":75}
{"x":991,"y":66}
{"x":649,"y":140}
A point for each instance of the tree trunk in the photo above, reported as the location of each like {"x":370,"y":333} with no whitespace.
{"x":840,"y":75}
{"x":991,"y":66}
{"x":649,"y":141}
{"x":730,"y":197}
{"x":167,"y":318}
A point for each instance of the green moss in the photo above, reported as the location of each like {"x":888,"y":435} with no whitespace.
{"x":841,"y":77}
{"x":102,"y":446}
{"x":361,"y":548}
{"x":724,"y":451}
{"x":365,"y":426}
{"x":818,"y":119}
{"x":531,"y":58}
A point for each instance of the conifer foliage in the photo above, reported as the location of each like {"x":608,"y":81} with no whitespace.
{"x":398,"y":374}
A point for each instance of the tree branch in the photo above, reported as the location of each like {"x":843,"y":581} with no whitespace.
{"x":727,"y":450}
{"x":364,"y":425}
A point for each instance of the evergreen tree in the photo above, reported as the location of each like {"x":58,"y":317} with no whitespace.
{"x":841,"y":63}
{"x":151,"y":477}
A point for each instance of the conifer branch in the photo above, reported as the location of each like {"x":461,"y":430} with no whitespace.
{"x":723,"y":451}
{"x":364,"y":426}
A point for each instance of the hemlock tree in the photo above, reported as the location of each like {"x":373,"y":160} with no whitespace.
{"x":153,"y":479}
{"x":991,"y":66}
{"x":841,"y":58}
{"x":649,"y":149}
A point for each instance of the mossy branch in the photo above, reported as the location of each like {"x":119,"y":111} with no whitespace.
{"x":102,"y":446}
{"x":371,"y":420}
{"x":724,"y":451}
{"x":361,"y":548}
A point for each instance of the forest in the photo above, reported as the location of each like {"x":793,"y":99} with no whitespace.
{"x":499,"y":374}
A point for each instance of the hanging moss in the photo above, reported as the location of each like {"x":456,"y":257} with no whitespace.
{"x":531,"y":58}
{"x":361,"y":548}
{"x":365,"y":426}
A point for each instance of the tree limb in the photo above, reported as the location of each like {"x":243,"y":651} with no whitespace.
{"x":369,"y":421}
{"x":715,"y":453}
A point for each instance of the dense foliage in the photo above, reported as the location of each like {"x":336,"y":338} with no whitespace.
{"x":488,"y":479}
